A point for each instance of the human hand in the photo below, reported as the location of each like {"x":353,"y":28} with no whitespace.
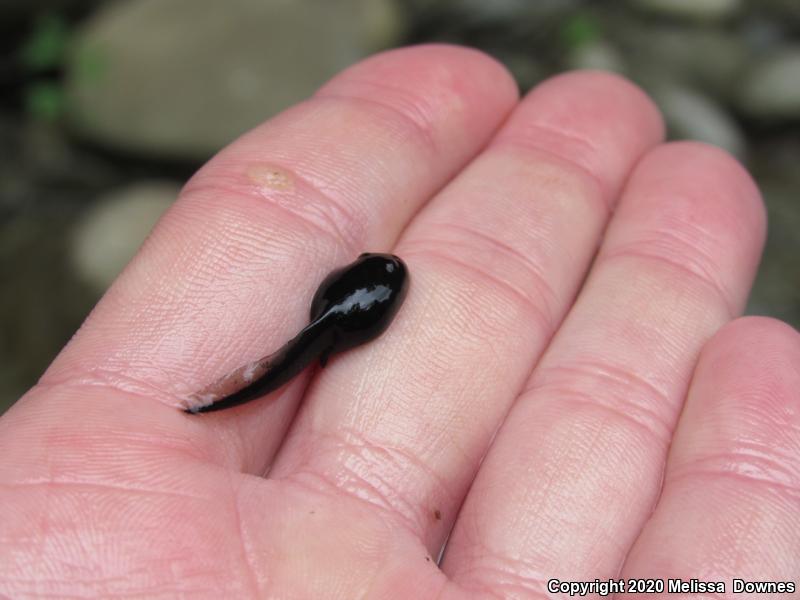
{"x":347,"y":485}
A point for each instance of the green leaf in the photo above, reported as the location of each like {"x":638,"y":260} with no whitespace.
{"x":581,"y":29}
{"x":45,"y":101}
{"x":46,"y":44}
{"x":90,"y":63}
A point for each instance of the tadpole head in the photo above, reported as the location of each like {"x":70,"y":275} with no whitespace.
{"x":360,"y":300}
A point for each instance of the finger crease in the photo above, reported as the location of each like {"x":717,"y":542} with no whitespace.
{"x":411,"y":115}
{"x":694,"y":274}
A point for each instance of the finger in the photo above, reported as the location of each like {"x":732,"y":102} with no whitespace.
{"x":576,"y":467}
{"x":228,"y":274}
{"x":730,"y":507}
{"x":496,"y":259}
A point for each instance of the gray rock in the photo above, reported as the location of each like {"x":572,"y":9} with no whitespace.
{"x":526,"y":69}
{"x":707,"y":59}
{"x":510,"y":9}
{"x":777,"y":286}
{"x":14,"y":9}
{"x":42,"y":304}
{"x":596,"y":54}
{"x":772,"y":87}
{"x":690,"y":114}
{"x":184,"y":77}
{"x":112,"y":230}
{"x":703,"y":10}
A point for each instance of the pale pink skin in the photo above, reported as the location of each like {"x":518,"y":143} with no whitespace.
{"x":599,"y":389}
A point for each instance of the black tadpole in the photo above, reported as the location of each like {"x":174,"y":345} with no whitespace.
{"x":353,"y":305}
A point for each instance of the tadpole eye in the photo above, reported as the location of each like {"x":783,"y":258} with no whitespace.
{"x":389,"y":267}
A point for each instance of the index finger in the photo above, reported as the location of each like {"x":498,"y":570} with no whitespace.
{"x":228,"y":273}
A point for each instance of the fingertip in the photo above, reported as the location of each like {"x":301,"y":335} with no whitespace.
{"x":757,"y":337}
{"x":436,"y":63}
{"x":599,"y":121}
{"x":752,"y":363}
{"x":631,"y":98}
{"x":433,"y":84}
{"x":695,"y":205}
{"x":725,"y":175}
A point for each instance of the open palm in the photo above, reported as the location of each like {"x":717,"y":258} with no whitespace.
{"x":541,"y":398}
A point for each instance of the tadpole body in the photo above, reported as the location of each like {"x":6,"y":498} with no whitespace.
{"x":353,"y":305}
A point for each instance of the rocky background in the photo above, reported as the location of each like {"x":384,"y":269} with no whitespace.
{"x":107,"y":107}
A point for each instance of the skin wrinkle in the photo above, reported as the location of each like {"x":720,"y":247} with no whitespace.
{"x":573,"y":399}
{"x":351,"y":443}
{"x":328,"y":173}
{"x":474,"y":238}
{"x":445,"y":255}
{"x":100,"y":585}
{"x":753,"y":456}
{"x":335,"y":223}
{"x":543,"y":133}
{"x":192,"y":450}
{"x":112,"y":379}
{"x":225,"y":241}
{"x":591,"y":179}
{"x":635,"y":251}
{"x":479,"y":306}
{"x":316,"y":483}
{"x":445,"y":82}
{"x":681,"y":235}
{"x":648,"y":403}
{"x":144,"y":368}
{"x":418,"y":124}
{"x":54,"y":484}
{"x":177,"y":398}
{"x":790,"y":490}
{"x":475,"y":532}
{"x":599,"y":442}
{"x":500,"y":571}
{"x":250,"y":567}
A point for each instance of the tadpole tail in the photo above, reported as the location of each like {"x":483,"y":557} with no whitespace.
{"x":264,"y":375}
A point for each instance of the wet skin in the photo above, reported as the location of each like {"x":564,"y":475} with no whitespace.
{"x":353,"y":305}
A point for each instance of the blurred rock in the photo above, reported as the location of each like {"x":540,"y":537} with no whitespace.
{"x":701,"y":10}
{"x":783,"y":9}
{"x":597,"y":54}
{"x":762,"y":34}
{"x":772,"y":87}
{"x":494,"y":11}
{"x":527,"y":71}
{"x":510,"y":9}
{"x":184,"y":77}
{"x":777,"y":286}
{"x":709,"y":60}
{"x":112,"y":230}
{"x":690,"y":114}
{"x":11,"y":10}
{"x":42,"y":304}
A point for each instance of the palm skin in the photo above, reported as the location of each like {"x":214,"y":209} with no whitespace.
{"x":566,"y":393}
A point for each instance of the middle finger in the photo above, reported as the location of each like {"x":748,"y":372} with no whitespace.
{"x":495,"y":261}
